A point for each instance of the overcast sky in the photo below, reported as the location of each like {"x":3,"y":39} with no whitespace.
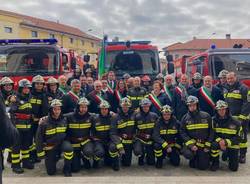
{"x":162,"y":21}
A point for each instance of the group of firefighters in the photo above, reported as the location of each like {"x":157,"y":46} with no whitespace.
{"x":111,"y":120}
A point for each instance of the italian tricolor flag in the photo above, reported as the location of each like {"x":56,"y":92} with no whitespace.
{"x":155,"y":101}
{"x":207,"y":96}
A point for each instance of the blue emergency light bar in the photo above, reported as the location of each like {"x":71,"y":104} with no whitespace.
{"x":130,"y":42}
{"x":29,"y":41}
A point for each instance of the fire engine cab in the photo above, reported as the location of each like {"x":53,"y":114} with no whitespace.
{"x":136,"y":58}
{"x":214,"y":60}
{"x":25,"y":58}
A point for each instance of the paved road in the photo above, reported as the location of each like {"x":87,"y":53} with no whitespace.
{"x":145,"y":174}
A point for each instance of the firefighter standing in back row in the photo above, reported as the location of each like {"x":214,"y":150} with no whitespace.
{"x":50,"y":139}
{"x":80,"y":123}
{"x":197,"y":134}
{"x":227,"y":138}
{"x":53,"y":91}
{"x":40,"y":106}
{"x":20,"y":112}
{"x":238,"y":98}
{"x":166,"y":138}
{"x":143,"y":143}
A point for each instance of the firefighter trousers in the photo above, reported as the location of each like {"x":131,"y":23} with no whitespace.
{"x":144,"y":149}
{"x":51,"y":157}
{"x":243,"y":143}
{"x":101,"y":151}
{"x":174,"y":155}
{"x":21,"y":150}
{"x":199,"y":159}
{"x":231,"y":154}
{"x":33,"y":153}
{"x":83,"y":152}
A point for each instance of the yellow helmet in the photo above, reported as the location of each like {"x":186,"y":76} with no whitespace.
{"x":166,"y":109}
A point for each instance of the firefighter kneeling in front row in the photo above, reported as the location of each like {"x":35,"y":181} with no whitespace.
{"x":101,"y":135}
{"x":121,"y":134}
{"x":197,"y":134}
{"x":50,"y":139}
{"x":143,"y":143}
{"x":79,"y":127}
{"x":227,"y":137}
{"x":166,"y":138}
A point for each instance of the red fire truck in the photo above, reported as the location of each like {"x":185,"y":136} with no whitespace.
{"x":25,"y":58}
{"x":214,"y":60}
{"x":136,"y":58}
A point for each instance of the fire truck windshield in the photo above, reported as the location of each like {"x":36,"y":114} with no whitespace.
{"x":134,"y":62}
{"x":28,"y":61}
{"x":238,"y":63}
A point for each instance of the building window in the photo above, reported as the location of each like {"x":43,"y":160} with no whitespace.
{"x":71,"y":40}
{"x":92,"y":44}
{"x":82,"y":42}
{"x":8,"y":29}
{"x":51,"y":36}
{"x":34,"y":34}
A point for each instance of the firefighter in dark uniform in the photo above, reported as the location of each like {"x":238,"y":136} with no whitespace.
{"x":50,"y":139}
{"x":101,"y":134}
{"x":238,"y":99}
{"x":40,"y":107}
{"x":79,"y":134}
{"x":143,"y":143}
{"x":8,"y":133}
{"x":70,"y":100}
{"x":9,"y":95}
{"x":222,"y":84}
{"x":20,"y":113}
{"x":53,"y":91}
{"x":136,"y":93}
{"x":122,"y":133}
{"x":167,"y":138}
{"x":197,"y":134}
{"x":197,"y":82}
{"x":227,"y":137}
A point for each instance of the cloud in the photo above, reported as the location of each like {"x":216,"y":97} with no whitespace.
{"x":162,"y":21}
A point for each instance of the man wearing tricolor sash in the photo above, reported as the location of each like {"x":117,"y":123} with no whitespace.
{"x":208,"y":95}
{"x":180,"y":96}
{"x":71,"y":99}
{"x":158,"y":98}
{"x":168,"y":87}
{"x":96,"y":97}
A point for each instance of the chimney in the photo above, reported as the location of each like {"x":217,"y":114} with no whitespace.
{"x":228,"y":36}
{"x":194,"y":38}
{"x":57,"y":22}
{"x":115,"y":39}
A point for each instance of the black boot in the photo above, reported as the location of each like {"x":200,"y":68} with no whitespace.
{"x":224,"y":156}
{"x":242,"y":158}
{"x":33,"y":157}
{"x":17,"y":170}
{"x":86,"y":163}
{"x":116,"y":164}
{"x":214,"y":166}
{"x":95,"y":164}
{"x":192,"y":163}
{"x":159,"y":163}
{"x":27,"y":164}
{"x":67,"y":170}
{"x":141,"y":161}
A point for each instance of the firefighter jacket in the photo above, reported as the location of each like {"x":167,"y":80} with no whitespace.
{"x":123,"y":129}
{"x":50,"y":133}
{"x":144,"y":123}
{"x":228,"y":129}
{"x":21,"y":112}
{"x":238,"y":99}
{"x":167,"y":133}
{"x":136,"y":94}
{"x":196,"y":129}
